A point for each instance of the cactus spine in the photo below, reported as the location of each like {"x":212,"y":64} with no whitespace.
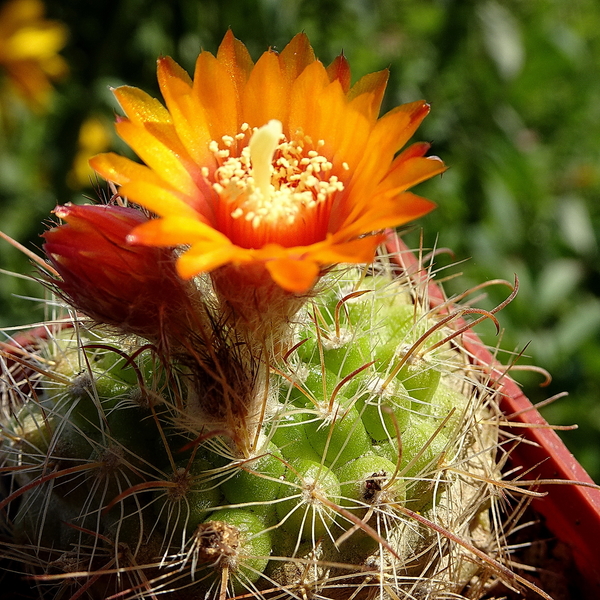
{"x":359,"y":459}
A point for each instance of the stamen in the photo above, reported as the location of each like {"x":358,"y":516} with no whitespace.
{"x":273,"y":189}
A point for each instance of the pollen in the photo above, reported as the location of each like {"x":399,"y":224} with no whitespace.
{"x":273,"y":187}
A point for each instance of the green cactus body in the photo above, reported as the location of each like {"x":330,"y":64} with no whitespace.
{"x":121,"y":477}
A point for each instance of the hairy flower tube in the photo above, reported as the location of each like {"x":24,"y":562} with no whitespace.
{"x":133,"y":288}
{"x":277,"y":169}
{"x":29,"y":46}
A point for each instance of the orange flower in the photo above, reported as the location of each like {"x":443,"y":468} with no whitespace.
{"x":28,"y":49}
{"x":279,"y":164}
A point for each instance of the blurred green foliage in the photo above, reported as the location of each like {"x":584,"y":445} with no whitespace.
{"x":515,"y":94}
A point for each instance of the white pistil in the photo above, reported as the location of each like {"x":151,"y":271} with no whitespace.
{"x":263,"y":143}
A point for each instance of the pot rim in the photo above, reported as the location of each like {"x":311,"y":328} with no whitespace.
{"x":571,"y":504}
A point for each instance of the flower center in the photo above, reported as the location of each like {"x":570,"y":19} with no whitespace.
{"x":274,"y":190}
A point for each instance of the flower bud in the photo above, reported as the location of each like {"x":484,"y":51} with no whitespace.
{"x":133,"y":288}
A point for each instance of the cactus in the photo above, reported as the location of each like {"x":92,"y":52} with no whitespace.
{"x":369,"y":469}
{"x":223,"y":411}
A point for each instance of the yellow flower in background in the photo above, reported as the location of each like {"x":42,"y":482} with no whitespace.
{"x":94,"y":136}
{"x":279,"y":165}
{"x":29,"y":47}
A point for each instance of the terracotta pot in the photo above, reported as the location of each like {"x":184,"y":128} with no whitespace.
{"x":571,"y":505}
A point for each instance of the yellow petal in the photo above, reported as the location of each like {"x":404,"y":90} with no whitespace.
{"x":188,"y":114}
{"x":35,"y":41}
{"x":163,"y":202}
{"x":158,"y":146}
{"x":121,"y":170}
{"x":293,"y":275}
{"x":141,"y":107}
{"x":186,"y":111}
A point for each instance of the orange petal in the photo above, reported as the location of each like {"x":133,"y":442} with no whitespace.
{"x":340,"y":69}
{"x":385,"y":212}
{"x":390,"y":133}
{"x":217,"y":92}
{"x":234,"y":56}
{"x":175,"y":231}
{"x":140,"y":107}
{"x":320,"y":110}
{"x":204,"y":257}
{"x":306,"y":100}
{"x":322,"y":117}
{"x":295,"y":57}
{"x":408,"y":173}
{"x":272,"y":251}
{"x":353,"y":136}
{"x":187,"y":113}
{"x":266,"y":95}
{"x":373,"y":84}
{"x":397,"y":126}
{"x":330,"y":123}
{"x":361,"y":250}
{"x":416,"y":149}
{"x":31,"y":81}
{"x":293,"y":275}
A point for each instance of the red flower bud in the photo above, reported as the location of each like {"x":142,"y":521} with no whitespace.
{"x":133,"y":288}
